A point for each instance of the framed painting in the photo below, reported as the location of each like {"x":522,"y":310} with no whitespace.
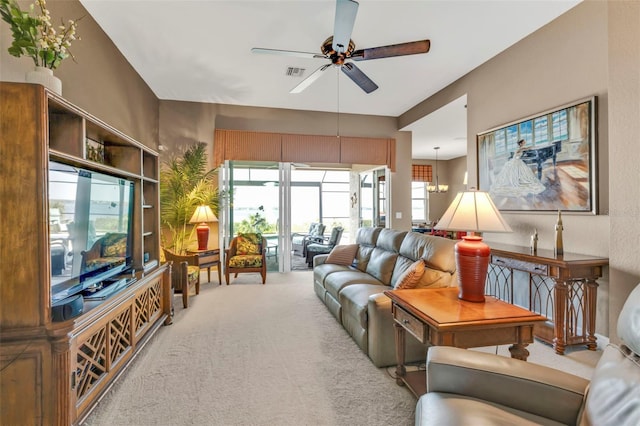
{"x":543,"y":163}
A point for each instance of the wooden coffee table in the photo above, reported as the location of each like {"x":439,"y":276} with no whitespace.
{"x":437,"y":317}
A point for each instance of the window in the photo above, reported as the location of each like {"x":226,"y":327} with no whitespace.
{"x":419,"y":202}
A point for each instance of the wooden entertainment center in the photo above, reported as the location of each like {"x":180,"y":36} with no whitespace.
{"x":52,"y":373}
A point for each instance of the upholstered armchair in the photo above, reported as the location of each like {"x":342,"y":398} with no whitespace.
{"x":185,"y":274}
{"x":471,"y":387}
{"x":299,"y":241}
{"x":324,"y":247}
{"x":246,"y":253}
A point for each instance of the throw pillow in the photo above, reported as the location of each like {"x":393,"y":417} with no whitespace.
{"x":245,"y":245}
{"x":411,"y":277}
{"x":343,"y":254}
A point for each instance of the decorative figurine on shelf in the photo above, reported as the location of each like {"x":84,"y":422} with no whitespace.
{"x":534,"y":241}
{"x":558,"y":248}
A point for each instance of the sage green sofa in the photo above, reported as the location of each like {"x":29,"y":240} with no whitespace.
{"x":354,"y":293}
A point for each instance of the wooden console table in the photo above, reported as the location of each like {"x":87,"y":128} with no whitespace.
{"x":563,"y":288}
{"x":207,"y":259}
{"x":439,"y":318}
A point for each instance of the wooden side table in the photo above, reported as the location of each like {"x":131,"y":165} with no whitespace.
{"x":439,"y":318}
{"x":207,"y":259}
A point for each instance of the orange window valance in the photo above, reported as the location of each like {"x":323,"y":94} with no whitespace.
{"x":421,"y":173}
{"x":282,"y":147}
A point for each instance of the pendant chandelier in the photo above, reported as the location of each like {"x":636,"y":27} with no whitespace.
{"x":437,"y":187}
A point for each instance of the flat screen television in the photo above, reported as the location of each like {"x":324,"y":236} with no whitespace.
{"x":90,"y":228}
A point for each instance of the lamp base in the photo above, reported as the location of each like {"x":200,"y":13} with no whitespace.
{"x":203,"y":236}
{"x":472,"y":262}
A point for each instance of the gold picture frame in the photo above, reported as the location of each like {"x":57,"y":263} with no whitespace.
{"x":542,"y":163}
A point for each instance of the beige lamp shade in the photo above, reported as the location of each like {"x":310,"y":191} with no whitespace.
{"x":473,"y":211}
{"x":203,"y":214}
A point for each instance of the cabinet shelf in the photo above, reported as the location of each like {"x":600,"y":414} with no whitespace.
{"x":63,"y":373}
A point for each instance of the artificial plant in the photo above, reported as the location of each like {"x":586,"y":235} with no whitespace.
{"x":185,"y":183}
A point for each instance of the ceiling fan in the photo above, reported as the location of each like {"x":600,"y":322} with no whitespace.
{"x":339,"y":48}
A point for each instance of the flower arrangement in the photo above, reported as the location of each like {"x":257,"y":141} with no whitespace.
{"x":36,"y":36}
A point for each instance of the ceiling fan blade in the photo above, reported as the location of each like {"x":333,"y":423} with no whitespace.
{"x":287,"y":53}
{"x":346,"y":11}
{"x":402,"y":49}
{"x":309,"y":80}
{"x":358,"y":77}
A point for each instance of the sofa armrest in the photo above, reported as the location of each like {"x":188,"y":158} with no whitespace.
{"x":381,"y":334}
{"x":319,"y":259}
{"x":513,"y":383}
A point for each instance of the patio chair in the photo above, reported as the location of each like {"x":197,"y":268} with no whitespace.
{"x":299,"y":241}
{"x":324,"y":247}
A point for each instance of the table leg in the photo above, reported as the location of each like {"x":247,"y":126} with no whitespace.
{"x":401,"y":371}
{"x":560,"y":306}
{"x":590,"y":306}
{"x":519,"y":350}
{"x":219,"y":273}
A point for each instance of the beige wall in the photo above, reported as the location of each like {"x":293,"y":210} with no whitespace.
{"x":187,"y":122}
{"x":570,"y":59}
{"x":624,"y":151}
{"x":101,"y":82}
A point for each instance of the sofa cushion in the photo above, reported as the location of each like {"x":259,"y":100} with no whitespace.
{"x":248,"y":244}
{"x":390,"y":239}
{"x":366,"y":239}
{"x":439,"y":408}
{"x":381,"y":264}
{"x":342,"y":255}
{"x":320,"y":272}
{"x":411,"y":277}
{"x":437,"y":252}
{"x":336,"y":281}
{"x":246,"y":261}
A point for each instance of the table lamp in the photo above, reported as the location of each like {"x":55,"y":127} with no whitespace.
{"x":472,"y":211}
{"x":202,"y":216}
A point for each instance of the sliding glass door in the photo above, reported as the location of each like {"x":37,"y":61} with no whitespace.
{"x":279,"y":199}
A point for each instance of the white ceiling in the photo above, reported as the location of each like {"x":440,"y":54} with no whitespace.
{"x":200,"y":51}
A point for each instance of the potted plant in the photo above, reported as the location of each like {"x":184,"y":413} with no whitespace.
{"x":36,"y":37}
{"x":185,"y":183}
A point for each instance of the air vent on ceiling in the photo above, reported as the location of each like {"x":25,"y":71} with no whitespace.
{"x":295,"y":71}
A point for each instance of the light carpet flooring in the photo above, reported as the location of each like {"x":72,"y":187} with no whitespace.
{"x":253,"y":354}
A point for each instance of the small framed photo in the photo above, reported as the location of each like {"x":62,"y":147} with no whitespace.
{"x":95,"y":151}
